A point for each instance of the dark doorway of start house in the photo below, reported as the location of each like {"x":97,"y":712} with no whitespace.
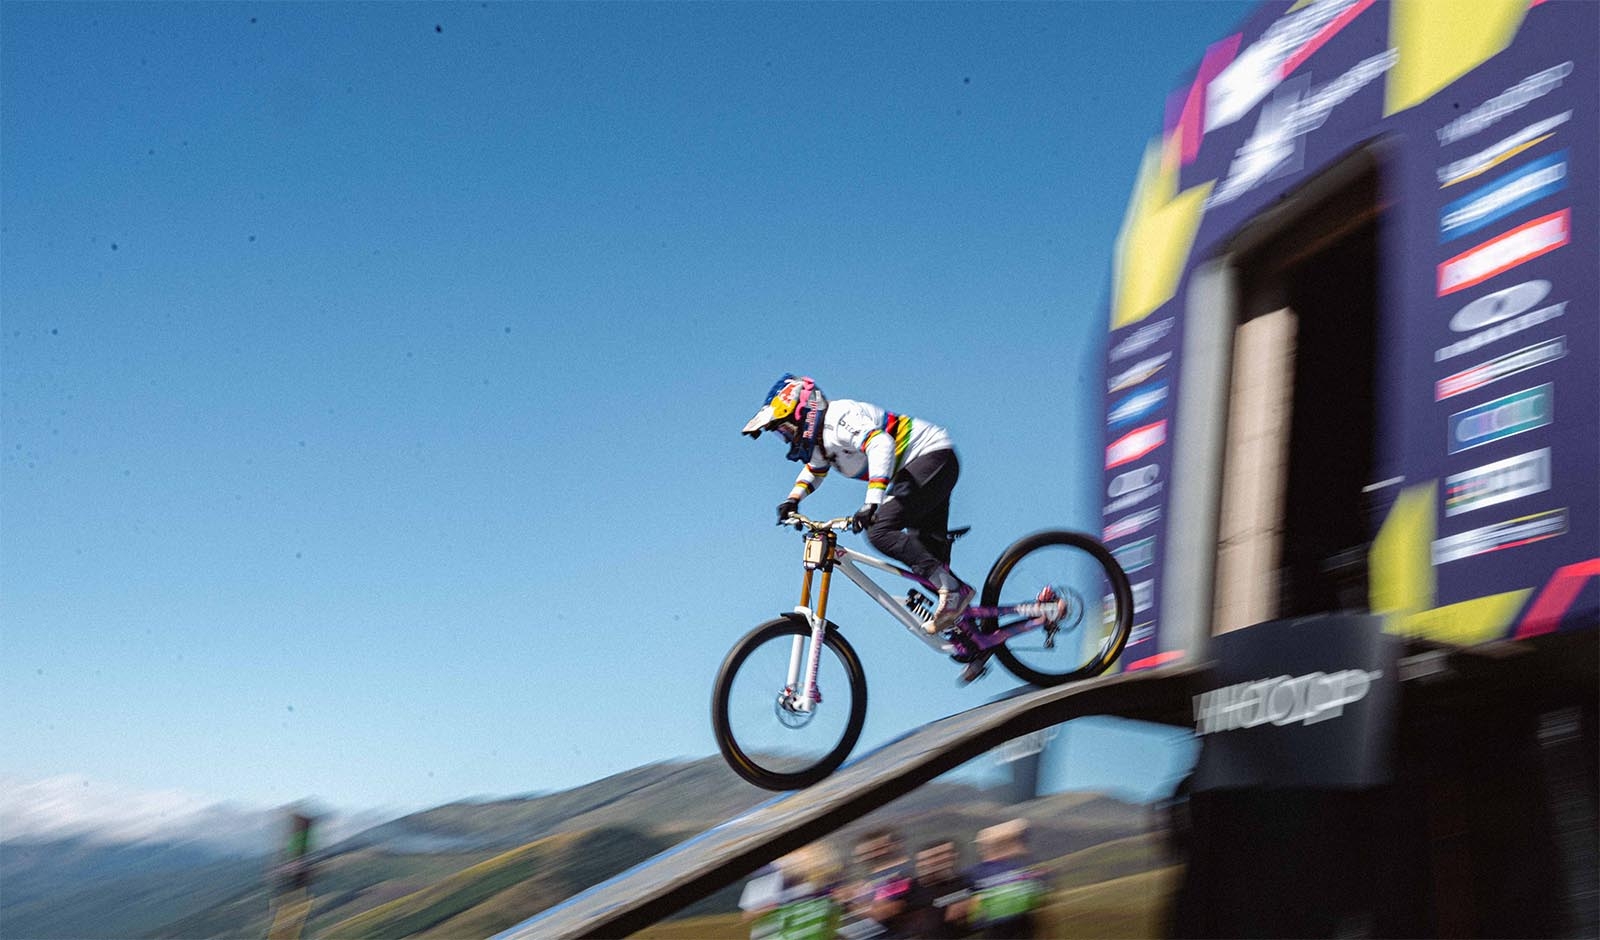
{"x":1301,"y":415}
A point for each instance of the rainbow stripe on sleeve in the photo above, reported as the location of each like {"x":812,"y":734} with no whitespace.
{"x":900,"y":427}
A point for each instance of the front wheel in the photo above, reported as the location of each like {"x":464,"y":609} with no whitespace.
{"x":1096,"y":613}
{"x":763,"y":732}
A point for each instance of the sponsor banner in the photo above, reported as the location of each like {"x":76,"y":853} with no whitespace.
{"x":1500,"y":331}
{"x":1276,"y":146}
{"x":1136,"y":479}
{"x":1525,"y":186}
{"x":1504,"y":252}
{"x":1142,"y":338}
{"x":1508,"y":102}
{"x":1502,"y":535}
{"x":1130,"y":500}
{"x":1498,"y":482}
{"x":1137,"y":405}
{"x":1308,"y":702}
{"x":1136,"y":443}
{"x":1144,"y":596}
{"x":1512,"y":363}
{"x":1500,"y":305}
{"x":1137,"y":373}
{"x":1142,"y":632}
{"x":1129,"y":525}
{"x":1136,"y":556}
{"x":1502,"y":418}
{"x":1459,"y":171}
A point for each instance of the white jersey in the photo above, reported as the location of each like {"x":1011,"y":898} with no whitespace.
{"x":868,"y":443}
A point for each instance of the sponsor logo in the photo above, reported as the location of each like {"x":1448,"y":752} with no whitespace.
{"x":1135,"y":479}
{"x":1142,"y":338}
{"x":1129,"y":525}
{"x":1498,"y":482}
{"x":1137,"y":556}
{"x":1502,"y":535}
{"x":1026,"y":746}
{"x":1502,"y":418}
{"x":1137,"y":405}
{"x":1140,"y":632}
{"x":1541,"y":178}
{"x":1492,"y":156}
{"x":1504,"y":252}
{"x":1500,"y":305}
{"x":1136,"y":443}
{"x":1508,"y":102}
{"x":1276,"y":144}
{"x":1281,"y":700}
{"x":1256,"y":71}
{"x":1500,"y":331}
{"x":1138,"y":372}
{"x":1132,"y":499}
{"x":1487,"y":373}
{"x":1144,"y":596}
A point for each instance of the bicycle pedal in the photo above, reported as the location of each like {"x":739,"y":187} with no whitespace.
{"x":975,"y":670}
{"x":966,"y":650}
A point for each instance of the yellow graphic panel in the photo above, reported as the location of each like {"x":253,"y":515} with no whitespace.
{"x":1476,"y":621}
{"x":1401,"y":581}
{"x":1441,"y":41}
{"x":1401,"y":569}
{"x":1157,"y":234}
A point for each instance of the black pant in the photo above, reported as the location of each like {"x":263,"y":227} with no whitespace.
{"x":912,"y":523}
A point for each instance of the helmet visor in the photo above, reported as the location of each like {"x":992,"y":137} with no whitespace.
{"x":760,"y":422}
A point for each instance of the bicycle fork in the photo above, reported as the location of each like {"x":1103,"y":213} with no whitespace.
{"x":804,"y":695}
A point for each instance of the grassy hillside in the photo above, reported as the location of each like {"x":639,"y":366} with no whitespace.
{"x":474,"y":868}
{"x":346,"y":885}
{"x":502,"y":891}
{"x":688,"y":796}
{"x":126,"y":906}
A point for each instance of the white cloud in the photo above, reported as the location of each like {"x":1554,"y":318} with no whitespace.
{"x":74,"y":806}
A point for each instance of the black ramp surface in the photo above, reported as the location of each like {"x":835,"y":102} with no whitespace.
{"x":722,"y":855}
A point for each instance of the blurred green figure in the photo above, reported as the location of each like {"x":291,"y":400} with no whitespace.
{"x":1007,"y":890}
{"x":808,"y":909}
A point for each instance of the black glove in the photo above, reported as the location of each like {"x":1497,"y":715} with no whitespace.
{"x":785,"y":508}
{"x":863,"y":517}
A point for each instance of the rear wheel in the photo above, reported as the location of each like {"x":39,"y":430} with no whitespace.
{"x":763,"y":734}
{"x":1091,"y":632}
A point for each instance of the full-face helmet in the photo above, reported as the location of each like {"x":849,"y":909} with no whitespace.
{"x":793,"y":407}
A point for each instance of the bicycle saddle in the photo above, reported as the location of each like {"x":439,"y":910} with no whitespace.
{"x":954,"y":534}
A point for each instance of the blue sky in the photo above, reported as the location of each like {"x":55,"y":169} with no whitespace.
{"x":372,"y":373}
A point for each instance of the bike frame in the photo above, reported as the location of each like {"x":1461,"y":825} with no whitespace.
{"x":823,"y":552}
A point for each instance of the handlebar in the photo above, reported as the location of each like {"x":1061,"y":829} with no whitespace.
{"x":801,"y":523}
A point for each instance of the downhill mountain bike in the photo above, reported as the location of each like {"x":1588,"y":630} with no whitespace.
{"x":791,"y":696}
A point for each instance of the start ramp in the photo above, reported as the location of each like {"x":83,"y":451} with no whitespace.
{"x":726,"y":853}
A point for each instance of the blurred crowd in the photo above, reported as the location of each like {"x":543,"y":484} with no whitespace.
{"x":888,"y":893}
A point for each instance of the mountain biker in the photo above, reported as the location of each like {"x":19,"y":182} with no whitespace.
{"x":910,"y":467}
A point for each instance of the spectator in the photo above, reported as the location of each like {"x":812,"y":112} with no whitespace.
{"x":1007,"y":890}
{"x":937,"y":902}
{"x":759,"y":901}
{"x":808,"y":909}
{"x":876,"y":900}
